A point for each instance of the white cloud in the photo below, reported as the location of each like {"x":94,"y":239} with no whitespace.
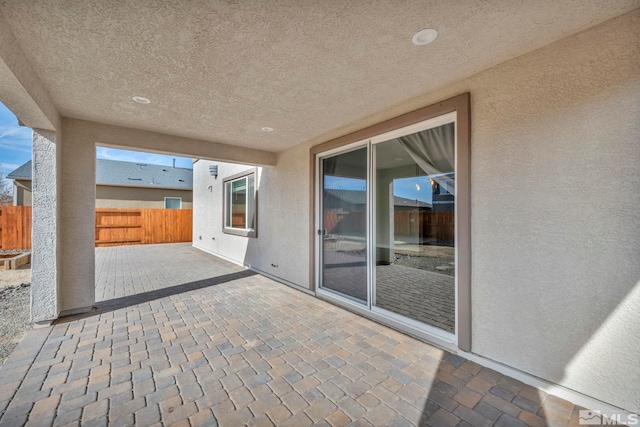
{"x":14,"y":138}
{"x":9,"y":146}
{"x":9,"y":132}
{"x":6,"y":168}
{"x":17,"y":134}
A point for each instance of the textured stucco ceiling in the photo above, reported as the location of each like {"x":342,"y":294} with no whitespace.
{"x":221,"y":70}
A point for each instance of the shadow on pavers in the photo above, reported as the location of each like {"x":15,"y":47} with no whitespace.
{"x":131,"y":300}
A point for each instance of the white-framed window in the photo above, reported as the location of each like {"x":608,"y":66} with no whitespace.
{"x":240,"y":204}
{"x":173,"y":202}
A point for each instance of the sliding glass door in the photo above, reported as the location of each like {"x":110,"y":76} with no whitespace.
{"x":414,"y":217}
{"x":386,"y":218}
{"x":343,"y":231}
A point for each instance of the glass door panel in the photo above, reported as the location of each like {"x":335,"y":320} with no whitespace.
{"x":343,"y":223}
{"x":414,"y":221}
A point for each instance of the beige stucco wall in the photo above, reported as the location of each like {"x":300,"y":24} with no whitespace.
{"x":283,"y":213}
{"x":108,"y":196}
{"x":555,"y":212}
{"x":76,"y":236}
{"x":22,"y":91}
{"x":131,"y":197}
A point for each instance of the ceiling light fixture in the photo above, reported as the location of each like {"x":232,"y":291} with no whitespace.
{"x":141,"y":100}
{"x":266,"y":129}
{"x":424,"y":37}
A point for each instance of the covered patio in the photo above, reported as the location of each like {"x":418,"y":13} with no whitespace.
{"x":180,"y":337}
{"x":529,"y":108}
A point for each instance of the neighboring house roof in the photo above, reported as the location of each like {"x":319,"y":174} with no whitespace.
{"x":360,"y":197}
{"x":354,"y":197}
{"x":128,"y":174}
{"x":415,"y":203}
{"x":23,"y":172}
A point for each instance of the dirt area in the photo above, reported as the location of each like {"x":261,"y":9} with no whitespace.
{"x":15,"y":277}
{"x":14,"y":308}
{"x":438,"y":259}
{"x":436,"y":265}
{"x":430,"y":251}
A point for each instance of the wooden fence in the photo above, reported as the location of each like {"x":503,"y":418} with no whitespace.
{"x":114,"y":227}
{"x":425,"y":224}
{"x":439,"y":226}
{"x":15,"y":227}
{"x":345,"y":222}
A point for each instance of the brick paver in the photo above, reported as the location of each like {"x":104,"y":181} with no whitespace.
{"x":180,"y":337}
{"x":412,"y":292}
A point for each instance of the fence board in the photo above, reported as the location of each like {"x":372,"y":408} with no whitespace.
{"x":15,"y":227}
{"x":142,"y":226}
{"x":147,"y":226}
{"x":424,"y":224}
{"x":114,"y":227}
{"x":439,"y":225}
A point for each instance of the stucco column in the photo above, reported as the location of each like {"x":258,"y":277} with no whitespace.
{"x":77,"y":214}
{"x":45,"y":272}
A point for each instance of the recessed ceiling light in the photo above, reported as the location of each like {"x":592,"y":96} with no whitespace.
{"x":424,"y":37}
{"x":266,"y":129}
{"x":141,"y":100}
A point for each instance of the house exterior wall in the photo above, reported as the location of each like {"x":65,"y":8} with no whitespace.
{"x":77,"y":222}
{"x":549,"y":258}
{"x":283,"y":217}
{"x":108,"y":196}
{"x":207,"y":212}
{"x":129,"y":197}
{"x":554,"y":257}
{"x":22,"y":193}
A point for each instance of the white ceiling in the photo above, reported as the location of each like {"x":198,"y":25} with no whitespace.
{"x":221,"y":70}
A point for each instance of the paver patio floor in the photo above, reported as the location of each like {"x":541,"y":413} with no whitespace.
{"x":183,"y":338}
{"x":411,"y":291}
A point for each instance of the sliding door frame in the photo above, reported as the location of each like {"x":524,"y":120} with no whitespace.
{"x":461,"y":106}
{"x":405,"y":320}
{"x":318,"y":221}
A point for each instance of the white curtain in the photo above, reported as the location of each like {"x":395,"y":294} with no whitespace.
{"x":434,"y":152}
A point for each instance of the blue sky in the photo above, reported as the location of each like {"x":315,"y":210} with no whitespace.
{"x":15,"y":148}
{"x":413,"y":188}
{"x":15,"y":142}
{"x":140,"y":157}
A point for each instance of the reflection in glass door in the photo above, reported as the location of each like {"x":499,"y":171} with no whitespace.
{"x":414,"y":221}
{"x":343,"y":224}
{"x":386,"y":221}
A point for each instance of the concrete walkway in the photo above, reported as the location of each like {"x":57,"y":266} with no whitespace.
{"x":183,"y":338}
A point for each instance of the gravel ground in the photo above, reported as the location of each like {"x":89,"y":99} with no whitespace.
{"x":14,"y":308}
